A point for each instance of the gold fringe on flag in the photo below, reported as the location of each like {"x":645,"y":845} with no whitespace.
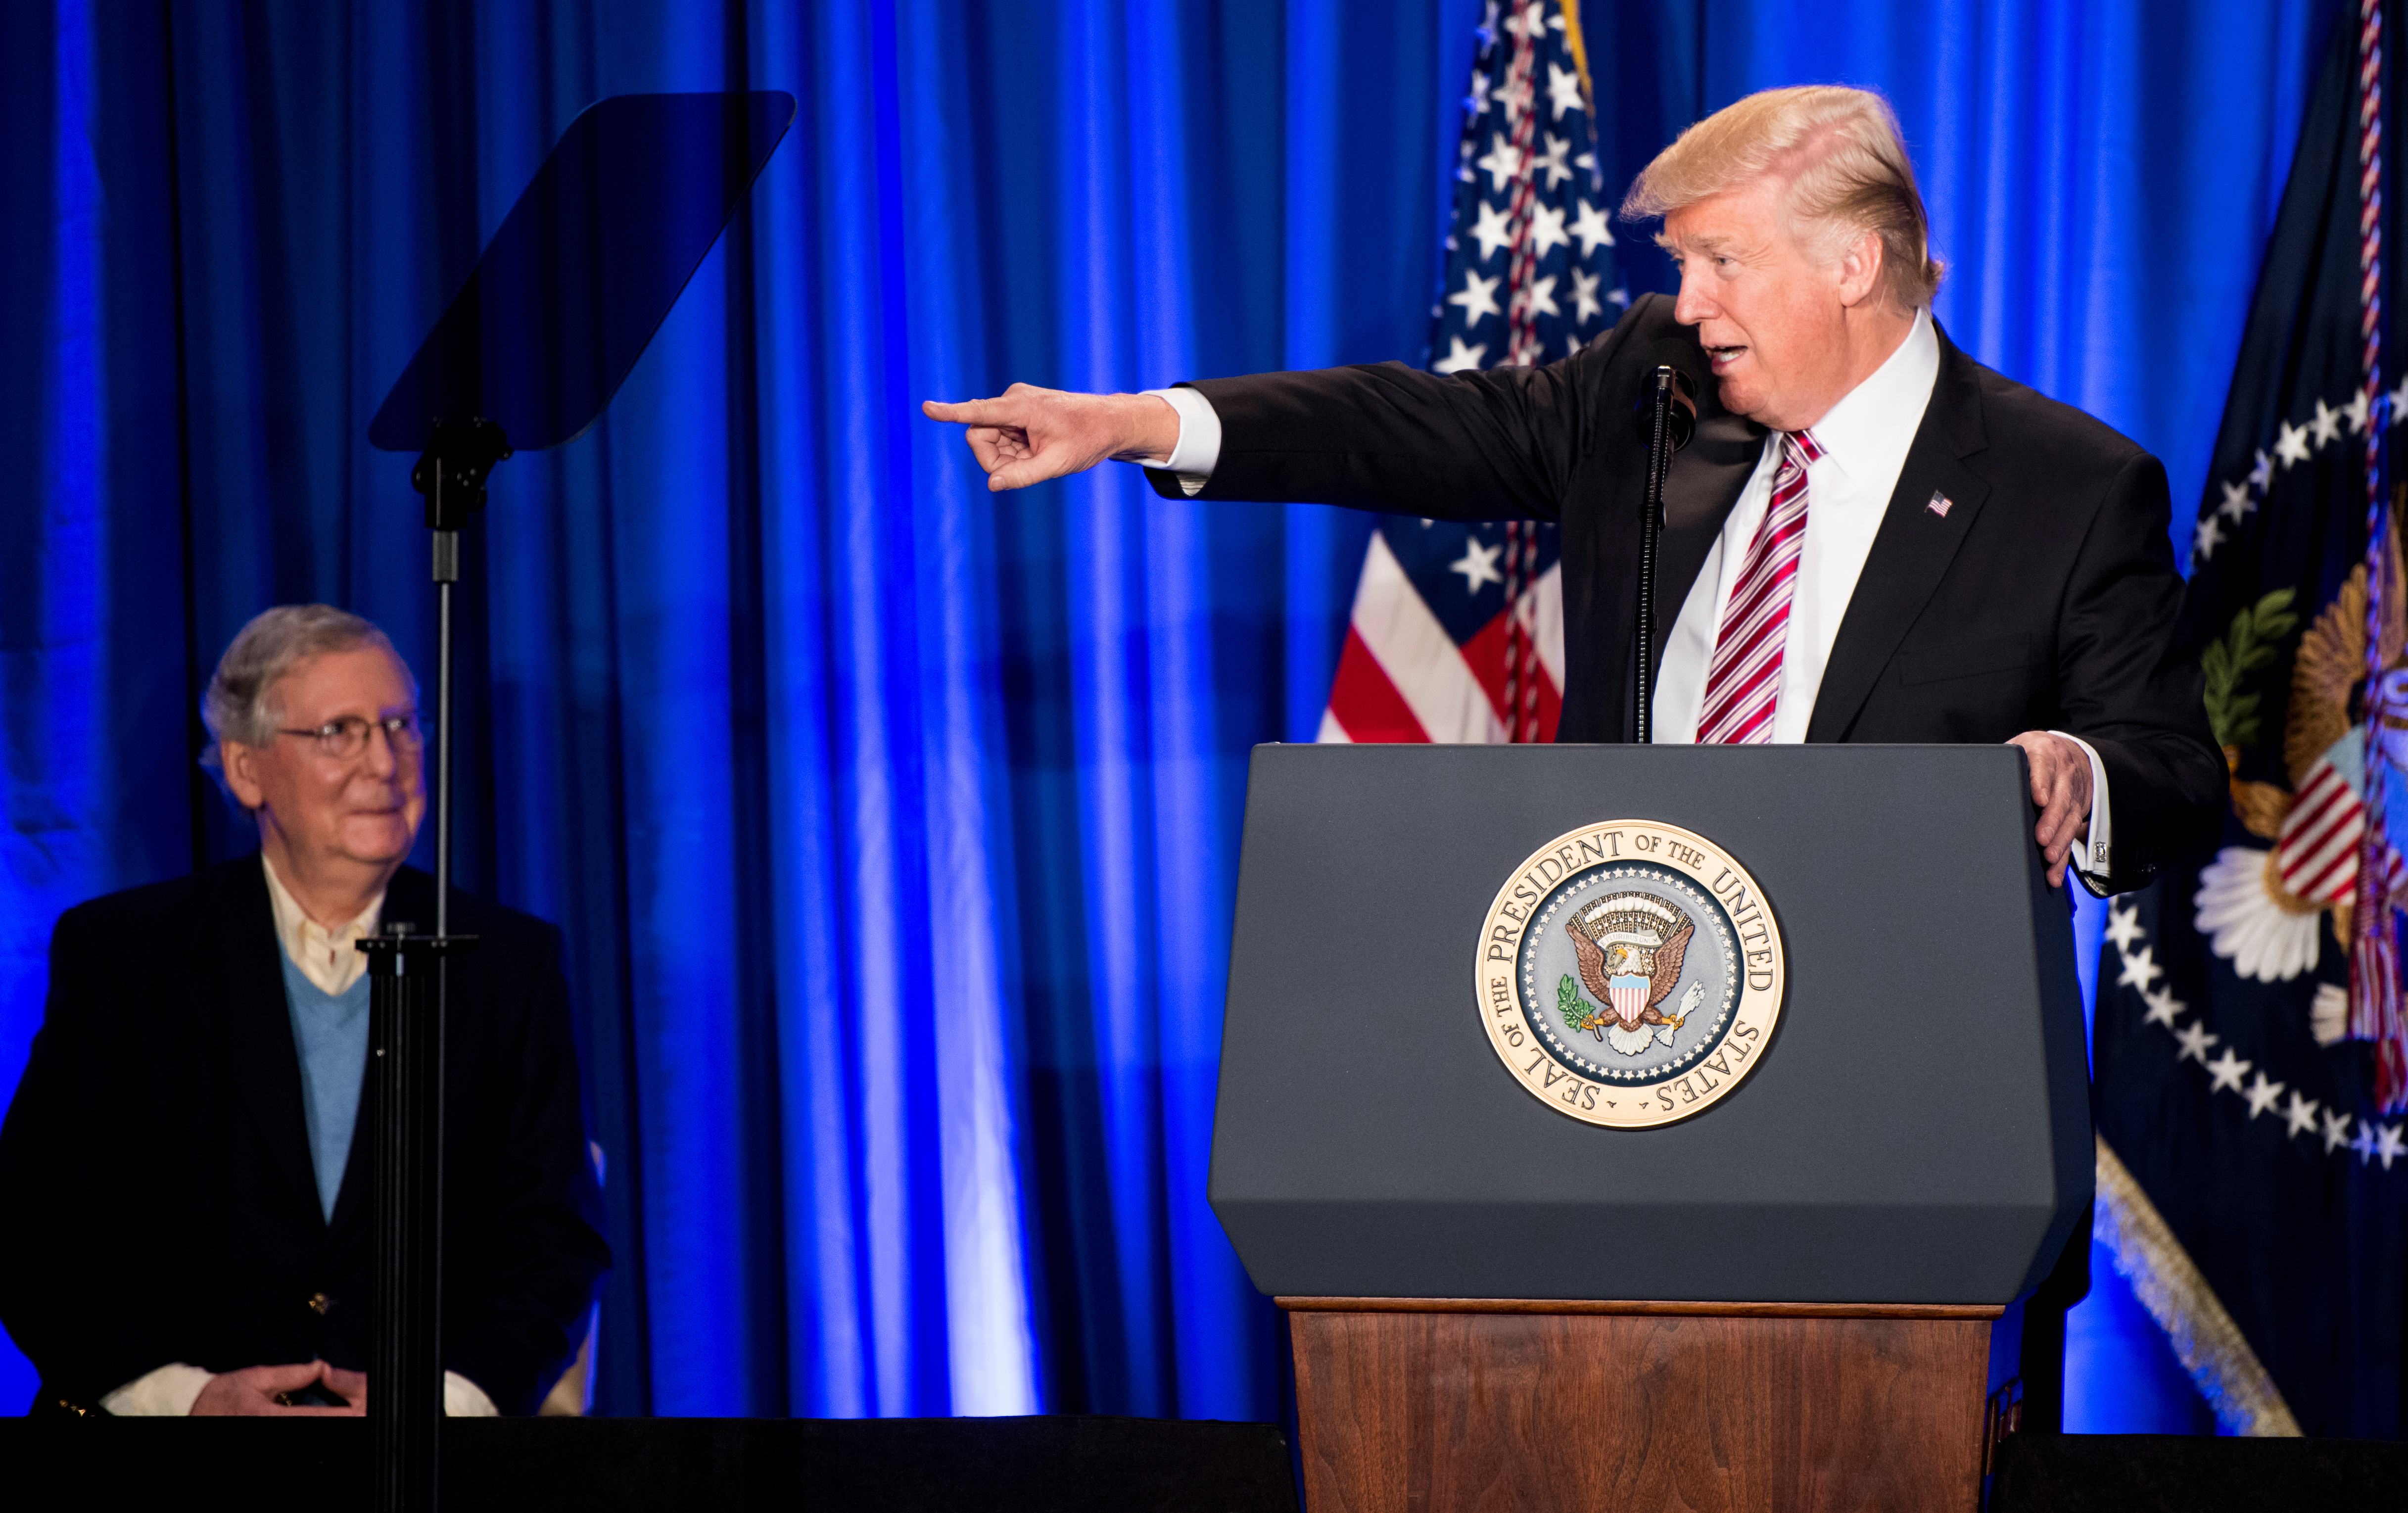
{"x":2205,"y":1339}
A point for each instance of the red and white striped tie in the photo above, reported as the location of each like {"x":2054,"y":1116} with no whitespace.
{"x":1744,"y":682}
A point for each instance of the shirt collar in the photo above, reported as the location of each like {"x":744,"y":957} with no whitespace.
{"x":299,"y":933}
{"x":1870,"y":430}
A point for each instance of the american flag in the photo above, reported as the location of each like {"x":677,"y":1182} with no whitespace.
{"x":1458,"y":634}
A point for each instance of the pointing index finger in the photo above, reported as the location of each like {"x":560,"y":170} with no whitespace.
{"x":964,"y":413}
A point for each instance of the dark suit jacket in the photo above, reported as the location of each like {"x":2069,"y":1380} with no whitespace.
{"x":2044,"y":599}
{"x":154,"y":1168}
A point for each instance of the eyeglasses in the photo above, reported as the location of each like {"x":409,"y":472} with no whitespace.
{"x":345,"y":738}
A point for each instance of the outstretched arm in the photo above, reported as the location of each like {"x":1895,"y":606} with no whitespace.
{"x":1028,"y":434}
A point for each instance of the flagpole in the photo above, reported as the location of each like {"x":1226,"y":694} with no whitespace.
{"x":2375,"y":996}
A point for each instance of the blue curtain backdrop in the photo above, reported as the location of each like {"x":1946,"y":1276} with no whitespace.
{"x":892,"y":825}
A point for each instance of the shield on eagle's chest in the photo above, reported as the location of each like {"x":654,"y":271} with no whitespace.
{"x":1628,"y":997}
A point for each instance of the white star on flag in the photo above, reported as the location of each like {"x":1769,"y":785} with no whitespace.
{"x":1590,"y":227}
{"x":1584,"y":300}
{"x":1504,"y":160}
{"x":2262,"y":1094}
{"x":2261,"y":476}
{"x":2205,"y":537}
{"x":2364,"y":1143}
{"x":2195,"y":1041}
{"x":1459,"y":357}
{"x":2396,"y":402}
{"x":2237,"y":501}
{"x":2291,"y":443}
{"x":2224,"y":1072}
{"x":2336,"y":1131}
{"x":2355,"y":409}
{"x":1547,"y":229}
{"x":2388,"y":1144}
{"x":2123,"y":926}
{"x":1527,"y":21}
{"x":1494,"y":228}
{"x":1478,"y":565}
{"x":1514,"y":97}
{"x":1478,"y":298}
{"x":1540,"y":296}
{"x":2300,"y":1116}
{"x":1562,"y":89}
{"x":2164,"y":1008}
{"x":1551,"y":161}
{"x":2140,"y":969}
{"x":2327,"y":424}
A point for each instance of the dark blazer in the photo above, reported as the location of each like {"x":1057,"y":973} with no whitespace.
{"x":154,"y":1168}
{"x":2045,"y":598}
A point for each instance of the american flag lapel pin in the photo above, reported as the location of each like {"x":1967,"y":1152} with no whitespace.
{"x":1940,"y":503}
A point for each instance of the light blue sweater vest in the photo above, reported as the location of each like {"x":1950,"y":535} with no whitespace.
{"x":330,"y":1032}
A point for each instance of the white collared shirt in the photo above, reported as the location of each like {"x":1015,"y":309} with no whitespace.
{"x":324,"y":956}
{"x":1865,"y":438}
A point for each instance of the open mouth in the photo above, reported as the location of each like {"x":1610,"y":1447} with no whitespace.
{"x":1721,"y":358}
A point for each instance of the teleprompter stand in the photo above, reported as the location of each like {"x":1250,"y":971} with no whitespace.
{"x":560,"y":304}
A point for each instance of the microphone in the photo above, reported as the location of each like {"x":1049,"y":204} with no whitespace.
{"x":1677,"y":358}
{"x":1666,"y":416}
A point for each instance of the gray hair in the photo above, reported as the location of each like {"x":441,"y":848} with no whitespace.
{"x":238,"y":704}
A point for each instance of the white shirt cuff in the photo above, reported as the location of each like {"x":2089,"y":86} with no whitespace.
{"x":465,"y":1399}
{"x":1200,"y":438}
{"x":168,"y":1393}
{"x":2094,"y":857}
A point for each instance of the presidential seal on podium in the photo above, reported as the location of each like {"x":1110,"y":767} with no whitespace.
{"x":1631,"y":974}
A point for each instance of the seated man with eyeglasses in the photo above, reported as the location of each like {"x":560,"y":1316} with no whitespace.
{"x":187,"y":1203}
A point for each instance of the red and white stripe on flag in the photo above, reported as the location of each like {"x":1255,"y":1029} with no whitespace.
{"x":1403,"y":677}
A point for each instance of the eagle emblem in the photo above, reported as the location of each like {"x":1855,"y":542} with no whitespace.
{"x":1628,"y":947}
{"x":2264,"y":909}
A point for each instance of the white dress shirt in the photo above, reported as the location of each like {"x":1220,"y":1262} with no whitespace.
{"x":327,"y":958}
{"x":1865,"y":438}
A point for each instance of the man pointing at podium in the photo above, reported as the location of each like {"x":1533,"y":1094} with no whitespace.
{"x":1873,"y":539}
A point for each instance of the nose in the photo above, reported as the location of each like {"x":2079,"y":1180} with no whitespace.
{"x":382,"y":759}
{"x":1693,"y":306}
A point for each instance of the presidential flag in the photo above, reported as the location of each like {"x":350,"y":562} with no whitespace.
{"x":1457,"y":630}
{"x":2253,"y":1158}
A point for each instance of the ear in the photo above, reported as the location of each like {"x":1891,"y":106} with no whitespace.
{"x":1860,"y":270}
{"x":240,"y":765}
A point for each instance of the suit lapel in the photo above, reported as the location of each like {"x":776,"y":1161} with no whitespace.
{"x":238,"y":996}
{"x":1912,"y":548}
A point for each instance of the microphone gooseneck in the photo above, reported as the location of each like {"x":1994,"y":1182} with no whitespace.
{"x":1666,"y":418}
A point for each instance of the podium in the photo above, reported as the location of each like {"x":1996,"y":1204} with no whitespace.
{"x":1799,"y":1113}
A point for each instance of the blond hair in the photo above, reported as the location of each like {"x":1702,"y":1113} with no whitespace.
{"x":1841,"y":151}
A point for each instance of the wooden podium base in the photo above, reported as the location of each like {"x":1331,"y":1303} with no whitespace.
{"x":1443,"y":1403}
